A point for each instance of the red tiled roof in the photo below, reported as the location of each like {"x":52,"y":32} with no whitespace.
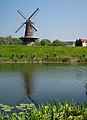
{"x":83,"y":40}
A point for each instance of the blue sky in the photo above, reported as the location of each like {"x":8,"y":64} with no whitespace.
{"x":57,"y":19}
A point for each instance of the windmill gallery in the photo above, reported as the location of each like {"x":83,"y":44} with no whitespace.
{"x":29,"y":37}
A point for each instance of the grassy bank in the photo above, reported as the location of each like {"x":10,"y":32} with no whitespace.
{"x":58,"y":111}
{"x":40,"y":54}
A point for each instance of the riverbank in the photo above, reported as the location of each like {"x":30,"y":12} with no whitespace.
{"x":39,"y":54}
{"x":67,"y":111}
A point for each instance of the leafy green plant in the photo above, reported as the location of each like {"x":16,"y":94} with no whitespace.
{"x":58,"y":111}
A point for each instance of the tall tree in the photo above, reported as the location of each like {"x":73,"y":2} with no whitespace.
{"x":45,"y":42}
{"x":58,"y":43}
{"x":8,"y":40}
{"x":37,"y":42}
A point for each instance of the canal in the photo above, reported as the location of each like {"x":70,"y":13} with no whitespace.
{"x":40,"y":83}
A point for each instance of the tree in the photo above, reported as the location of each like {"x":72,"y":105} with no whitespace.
{"x":45,"y":42}
{"x":37,"y":42}
{"x":78,"y":42}
{"x":58,"y":43}
{"x":8,"y":40}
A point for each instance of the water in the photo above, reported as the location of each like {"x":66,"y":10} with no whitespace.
{"x":37,"y":83}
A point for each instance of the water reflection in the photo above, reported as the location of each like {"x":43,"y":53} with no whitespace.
{"x":28,"y":79}
{"x":26,"y":83}
{"x":86,"y":88}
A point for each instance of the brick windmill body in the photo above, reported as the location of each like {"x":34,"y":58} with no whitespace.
{"x":29,"y":37}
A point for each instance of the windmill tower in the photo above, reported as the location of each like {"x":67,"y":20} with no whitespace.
{"x":29,"y":29}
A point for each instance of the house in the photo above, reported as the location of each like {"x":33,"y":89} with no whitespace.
{"x":70,"y":43}
{"x":84,"y":42}
{"x":81,"y":42}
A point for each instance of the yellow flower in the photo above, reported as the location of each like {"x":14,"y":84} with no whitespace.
{"x":67,"y":105}
{"x":70,"y":117}
{"x":54,"y":110}
{"x":69,"y":109}
{"x":44,"y":111}
{"x":80,"y":117}
{"x":39,"y":113}
{"x":46,"y":107}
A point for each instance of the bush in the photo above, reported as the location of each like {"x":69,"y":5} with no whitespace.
{"x":0,"y":55}
{"x":65,"y":59}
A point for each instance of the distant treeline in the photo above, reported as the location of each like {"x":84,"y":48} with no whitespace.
{"x":9,"y":40}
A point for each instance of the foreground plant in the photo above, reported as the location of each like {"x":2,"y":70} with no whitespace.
{"x":58,"y":111}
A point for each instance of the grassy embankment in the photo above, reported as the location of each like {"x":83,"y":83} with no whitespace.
{"x":38,"y":54}
{"x":67,"y":111}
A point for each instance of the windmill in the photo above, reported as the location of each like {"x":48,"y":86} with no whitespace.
{"x":29,"y":28}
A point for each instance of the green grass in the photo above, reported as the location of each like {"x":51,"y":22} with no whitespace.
{"x":43,"y":54}
{"x":58,"y":111}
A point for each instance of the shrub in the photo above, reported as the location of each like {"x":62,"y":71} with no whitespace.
{"x":15,"y":59}
{"x":33,"y":56}
{"x":13,"y":55}
{"x":55,"y":54}
{"x":65,"y":59}
{"x":22,"y":55}
{"x":0,"y":55}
